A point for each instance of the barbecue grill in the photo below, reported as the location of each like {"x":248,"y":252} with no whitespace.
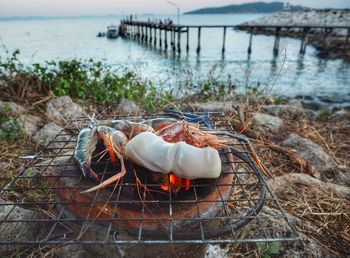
{"x":237,"y":207}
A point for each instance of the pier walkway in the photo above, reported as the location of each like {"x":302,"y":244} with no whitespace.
{"x":158,"y":34}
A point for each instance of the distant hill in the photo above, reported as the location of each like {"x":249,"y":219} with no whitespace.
{"x":257,"y":7}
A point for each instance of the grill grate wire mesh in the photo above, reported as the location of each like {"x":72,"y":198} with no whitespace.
{"x":249,"y":211}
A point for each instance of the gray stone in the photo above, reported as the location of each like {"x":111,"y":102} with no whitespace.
{"x":17,"y":230}
{"x":304,"y":97}
{"x":279,"y":110}
{"x":128,"y":107}
{"x":334,"y":98}
{"x":265,"y":123}
{"x":340,"y":115}
{"x":310,"y":151}
{"x":312,"y":104}
{"x":312,"y":115}
{"x":48,"y":134}
{"x":62,"y":110}
{"x":215,"y":251}
{"x":336,"y":108}
{"x":11,"y":108}
{"x":280,"y":184}
{"x":29,"y":124}
{"x":346,"y":106}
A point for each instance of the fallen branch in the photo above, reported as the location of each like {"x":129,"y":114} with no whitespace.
{"x":296,"y":158}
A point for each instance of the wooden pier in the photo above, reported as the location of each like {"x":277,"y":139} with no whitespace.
{"x":158,"y":34}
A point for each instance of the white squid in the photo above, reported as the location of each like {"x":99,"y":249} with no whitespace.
{"x":184,"y":160}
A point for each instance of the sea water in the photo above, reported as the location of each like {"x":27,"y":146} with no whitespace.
{"x":46,"y":39}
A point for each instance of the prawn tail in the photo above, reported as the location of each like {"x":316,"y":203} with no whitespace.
{"x":88,"y":172}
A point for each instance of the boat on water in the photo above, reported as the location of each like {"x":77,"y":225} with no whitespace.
{"x":112,"y":32}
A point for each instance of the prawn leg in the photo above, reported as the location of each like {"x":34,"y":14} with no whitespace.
{"x":110,"y":180}
{"x":107,"y":141}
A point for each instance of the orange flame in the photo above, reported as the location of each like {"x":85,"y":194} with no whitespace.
{"x":176,"y":183}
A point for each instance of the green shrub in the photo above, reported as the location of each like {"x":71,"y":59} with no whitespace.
{"x":87,"y":80}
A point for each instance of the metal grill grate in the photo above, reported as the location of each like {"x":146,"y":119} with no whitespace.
{"x":237,"y":207}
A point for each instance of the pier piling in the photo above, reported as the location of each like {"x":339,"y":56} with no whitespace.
{"x":166,"y":38}
{"x":174,"y":46}
{"x":155,"y":36}
{"x":327,"y":31}
{"x":277,"y":41}
{"x":250,"y":41}
{"x":150,"y":34}
{"x":188,"y":39}
{"x":160,"y":37}
{"x":304,"y":41}
{"x":179,"y":40}
{"x":199,"y":40}
{"x":224,"y":40}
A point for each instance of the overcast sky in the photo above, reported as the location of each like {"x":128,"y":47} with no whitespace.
{"x":106,"y":7}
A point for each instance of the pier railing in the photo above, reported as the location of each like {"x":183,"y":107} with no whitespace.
{"x":157,"y":34}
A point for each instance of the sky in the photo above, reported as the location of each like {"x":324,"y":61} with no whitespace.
{"x":119,"y":7}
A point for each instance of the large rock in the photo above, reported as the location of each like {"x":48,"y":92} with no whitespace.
{"x":128,"y":107}
{"x":265,"y":123}
{"x":48,"y":134}
{"x":312,"y":104}
{"x":279,"y":184}
{"x":279,"y":110}
{"x":17,"y":230}
{"x":29,"y":124}
{"x":310,"y":151}
{"x":7,"y":107}
{"x":62,"y":110}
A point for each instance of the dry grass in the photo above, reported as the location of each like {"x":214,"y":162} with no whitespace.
{"x":320,"y":215}
{"x":323,"y":216}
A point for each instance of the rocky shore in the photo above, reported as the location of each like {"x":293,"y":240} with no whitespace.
{"x":335,"y":45}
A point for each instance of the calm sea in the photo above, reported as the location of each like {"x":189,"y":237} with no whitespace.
{"x":42,"y":40}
